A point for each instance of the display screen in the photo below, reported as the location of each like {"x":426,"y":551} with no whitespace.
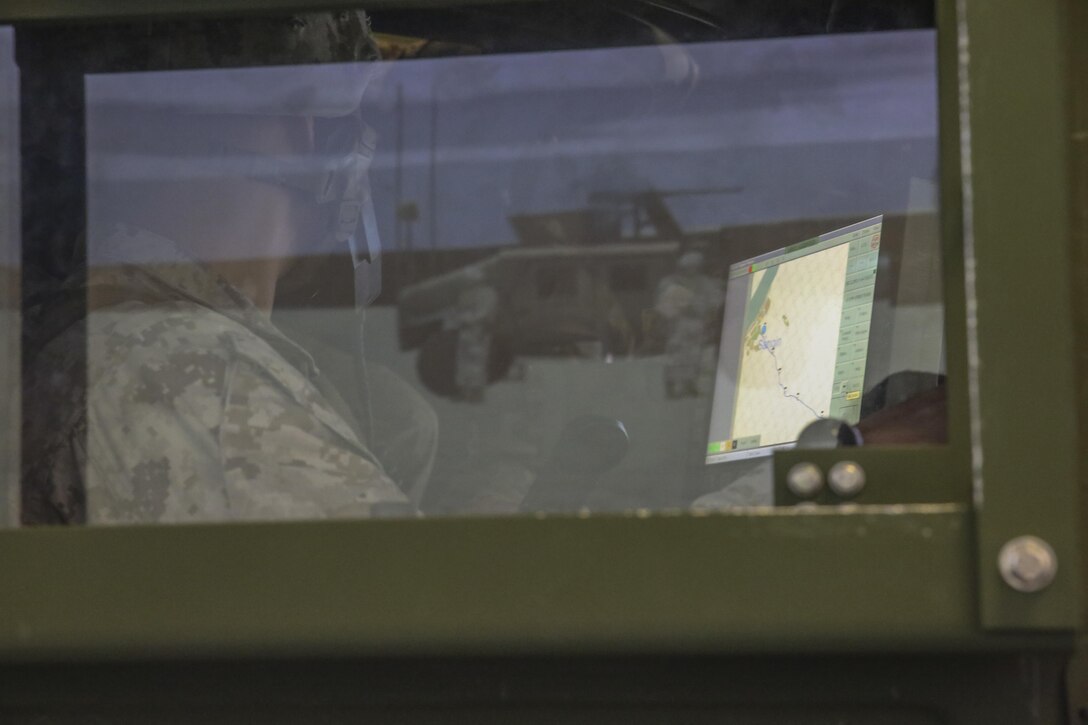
{"x":795,"y":339}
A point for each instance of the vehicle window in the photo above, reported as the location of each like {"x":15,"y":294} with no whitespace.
{"x":471,"y":260}
{"x":9,"y":277}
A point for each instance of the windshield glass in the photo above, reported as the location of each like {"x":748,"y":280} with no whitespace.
{"x":474,"y":260}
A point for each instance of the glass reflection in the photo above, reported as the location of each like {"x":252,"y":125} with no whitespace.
{"x":10,"y":319}
{"x":598,"y":279}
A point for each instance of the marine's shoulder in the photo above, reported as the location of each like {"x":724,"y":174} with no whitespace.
{"x":176,"y":321}
{"x":181,"y":347}
{"x":192,"y":348}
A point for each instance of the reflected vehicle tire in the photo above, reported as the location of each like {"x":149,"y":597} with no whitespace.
{"x":436,"y":363}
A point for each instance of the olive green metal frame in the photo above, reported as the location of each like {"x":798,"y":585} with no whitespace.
{"x":1015,"y":90}
{"x":888,"y":576}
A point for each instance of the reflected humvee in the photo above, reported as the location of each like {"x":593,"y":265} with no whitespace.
{"x":581,"y":282}
{"x":577,"y":286}
{"x":555,"y":301}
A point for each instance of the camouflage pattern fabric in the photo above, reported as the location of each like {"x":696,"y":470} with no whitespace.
{"x":196,"y":408}
{"x":403,"y":427}
{"x":688,"y":303}
{"x":474,"y":316}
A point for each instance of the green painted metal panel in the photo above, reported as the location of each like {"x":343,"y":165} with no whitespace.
{"x":892,"y":579}
{"x":990,"y":689}
{"x":952,"y":263}
{"x":1017,"y":248}
{"x":903,"y":475}
{"x":1077,"y":677}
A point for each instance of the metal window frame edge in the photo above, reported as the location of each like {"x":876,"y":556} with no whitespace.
{"x":1014,"y":95}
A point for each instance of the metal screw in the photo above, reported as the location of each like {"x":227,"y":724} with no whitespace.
{"x":1027,"y":564}
{"x":847,"y":478}
{"x":805,"y":480}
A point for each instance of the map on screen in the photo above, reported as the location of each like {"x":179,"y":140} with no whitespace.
{"x":794,"y":341}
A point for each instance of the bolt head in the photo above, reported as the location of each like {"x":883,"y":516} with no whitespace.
{"x":805,"y":480}
{"x":1027,"y":564}
{"x":846,"y":478}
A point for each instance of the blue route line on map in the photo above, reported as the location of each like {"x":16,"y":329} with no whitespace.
{"x":764,"y":345}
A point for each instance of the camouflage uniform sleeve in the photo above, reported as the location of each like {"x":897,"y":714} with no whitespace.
{"x":185,"y":424}
{"x":669,"y":300}
{"x":285,"y":459}
{"x":154,"y":390}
